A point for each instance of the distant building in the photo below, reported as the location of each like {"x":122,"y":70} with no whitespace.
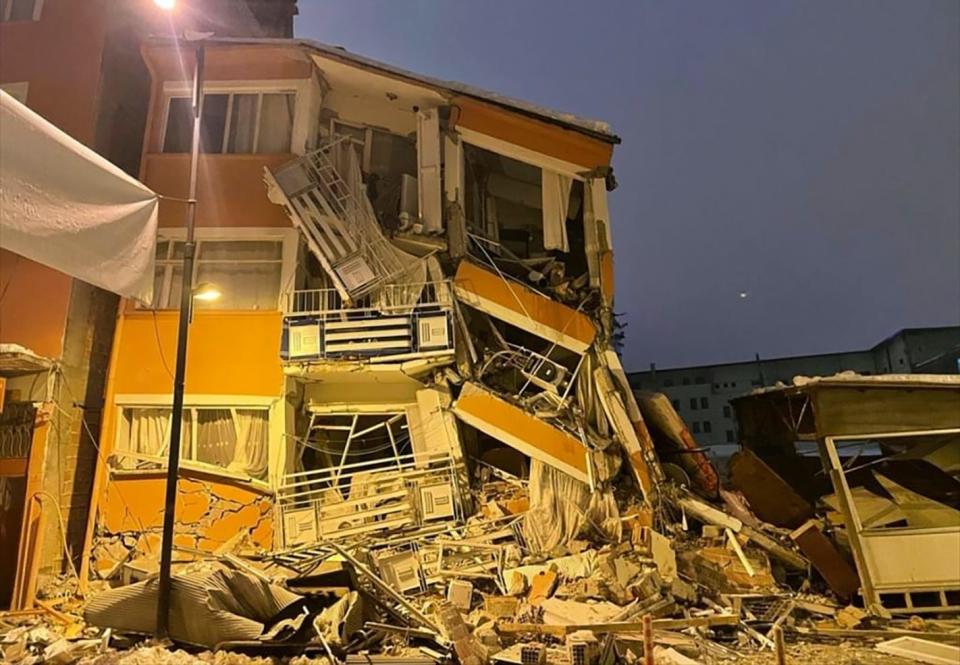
{"x":702,"y":394}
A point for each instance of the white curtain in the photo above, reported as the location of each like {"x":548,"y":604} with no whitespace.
{"x":252,"y":443}
{"x":148,"y":431}
{"x":562,"y":509}
{"x":149,"y":434}
{"x":276,"y":123}
{"x":248,"y":272}
{"x":556,"y":203}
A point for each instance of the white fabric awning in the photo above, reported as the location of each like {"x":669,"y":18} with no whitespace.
{"x":65,"y":206}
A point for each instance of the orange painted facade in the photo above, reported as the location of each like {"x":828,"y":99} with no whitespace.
{"x":230,"y":189}
{"x":536,"y":135}
{"x":525,"y":303}
{"x":230,"y":353}
{"x":63,"y":83}
{"x":62,"y":87}
{"x":25,"y":284}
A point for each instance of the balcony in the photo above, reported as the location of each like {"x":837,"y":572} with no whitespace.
{"x":397,"y":323}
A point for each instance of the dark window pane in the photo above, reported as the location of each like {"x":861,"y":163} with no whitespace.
{"x":179,"y":125}
{"x":22,"y":10}
{"x":729,"y":436}
{"x":707,"y":426}
{"x":213,"y":120}
{"x":693,"y":403}
{"x":704,"y":403}
{"x":726,"y":412}
{"x":696,"y":427}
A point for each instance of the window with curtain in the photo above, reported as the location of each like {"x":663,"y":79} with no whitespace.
{"x":233,"y":122}
{"x":234,"y":439}
{"x":247,"y":272}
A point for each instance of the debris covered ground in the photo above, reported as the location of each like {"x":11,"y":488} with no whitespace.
{"x":471,"y":478}
{"x":713,"y":589}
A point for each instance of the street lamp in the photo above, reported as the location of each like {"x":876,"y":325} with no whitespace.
{"x":187,"y":294}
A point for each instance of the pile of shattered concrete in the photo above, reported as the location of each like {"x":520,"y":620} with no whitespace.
{"x":539,"y":574}
{"x":569,"y":521}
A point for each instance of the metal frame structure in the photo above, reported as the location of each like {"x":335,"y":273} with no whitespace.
{"x":887,"y":558}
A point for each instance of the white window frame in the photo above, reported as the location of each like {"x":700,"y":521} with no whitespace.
{"x":521,"y":154}
{"x":299,"y":88}
{"x":17,"y":89}
{"x":194,"y":403}
{"x":8,"y":10}
{"x":287,"y":238}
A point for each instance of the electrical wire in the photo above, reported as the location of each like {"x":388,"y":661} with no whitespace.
{"x":156,"y":334}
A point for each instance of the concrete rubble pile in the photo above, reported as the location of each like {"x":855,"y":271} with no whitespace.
{"x":542,"y":512}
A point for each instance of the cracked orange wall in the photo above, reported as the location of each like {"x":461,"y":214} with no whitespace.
{"x":228,"y":353}
{"x":209,"y":512}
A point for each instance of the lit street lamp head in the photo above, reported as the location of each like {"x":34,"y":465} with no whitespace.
{"x":166,"y":5}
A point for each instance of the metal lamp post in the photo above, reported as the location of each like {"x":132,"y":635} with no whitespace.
{"x":186,"y":304}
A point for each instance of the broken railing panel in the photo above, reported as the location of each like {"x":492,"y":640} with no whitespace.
{"x":324,"y":196}
{"x":519,"y":429}
{"x":362,"y":499}
{"x":521,"y":306}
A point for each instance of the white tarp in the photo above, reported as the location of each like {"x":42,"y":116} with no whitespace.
{"x":65,"y":206}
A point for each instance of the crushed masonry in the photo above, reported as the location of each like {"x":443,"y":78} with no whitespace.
{"x":457,"y":469}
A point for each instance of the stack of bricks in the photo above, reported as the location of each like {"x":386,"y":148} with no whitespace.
{"x":469,"y":649}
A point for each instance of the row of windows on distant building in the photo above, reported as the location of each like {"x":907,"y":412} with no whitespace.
{"x":702,"y":403}
{"x":698,"y":381}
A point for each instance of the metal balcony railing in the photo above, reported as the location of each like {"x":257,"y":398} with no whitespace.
{"x":320,"y":325}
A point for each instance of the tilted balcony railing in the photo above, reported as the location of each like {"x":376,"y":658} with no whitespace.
{"x":319,"y":325}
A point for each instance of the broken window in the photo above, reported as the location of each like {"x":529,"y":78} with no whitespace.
{"x":232,"y":439}
{"x":389,"y":165}
{"x":359,"y":473}
{"x":342,"y":441}
{"x":527,"y":210}
{"x":246,"y":271}
{"x":243,"y":123}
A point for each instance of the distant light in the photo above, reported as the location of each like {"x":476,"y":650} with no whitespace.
{"x":166,"y":5}
{"x":206,"y":292}
{"x":743,"y":295}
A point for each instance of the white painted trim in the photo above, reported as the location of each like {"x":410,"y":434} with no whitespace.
{"x":193,"y":400}
{"x":192,"y":465}
{"x":522,"y":154}
{"x":345,"y":408}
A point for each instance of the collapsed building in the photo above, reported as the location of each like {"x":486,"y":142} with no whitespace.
{"x":407,"y":431}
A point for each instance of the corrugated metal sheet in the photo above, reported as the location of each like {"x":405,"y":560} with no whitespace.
{"x":206,"y":608}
